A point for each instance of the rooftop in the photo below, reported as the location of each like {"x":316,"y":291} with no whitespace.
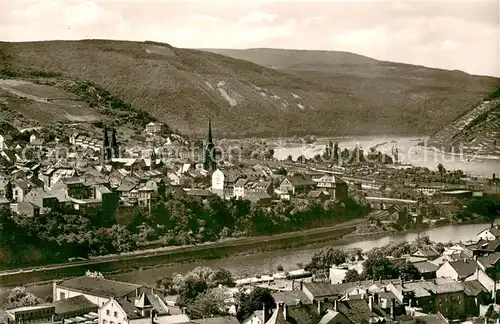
{"x":73,"y":304}
{"x":99,"y":286}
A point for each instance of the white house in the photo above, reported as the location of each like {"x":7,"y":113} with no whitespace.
{"x":457,"y":270}
{"x":218,"y":178}
{"x":490,"y":234}
{"x":3,"y":146}
{"x":147,"y":307}
{"x":239,"y":188}
{"x":154,"y":128}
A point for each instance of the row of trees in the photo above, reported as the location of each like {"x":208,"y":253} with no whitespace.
{"x":187,"y":220}
{"x":60,"y":235}
{"x":55,"y":237}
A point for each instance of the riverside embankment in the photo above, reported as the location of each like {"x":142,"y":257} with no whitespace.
{"x":156,"y":257}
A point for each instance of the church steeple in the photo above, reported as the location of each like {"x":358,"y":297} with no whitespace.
{"x":114,"y":144}
{"x":210,"y":141}
{"x":209,"y":154}
{"x":105,"y":141}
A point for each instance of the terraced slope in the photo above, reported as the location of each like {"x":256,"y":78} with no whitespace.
{"x":345,"y":94}
{"x":477,"y":132}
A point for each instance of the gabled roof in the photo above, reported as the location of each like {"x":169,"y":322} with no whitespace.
{"x":464,"y":268}
{"x":357,"y":310}
{"x":490,"y":261}
{"x":474,"y":288}
{"x":321,"y":289}
{"x":427,"y":251}
{"x":99,"y":286}
{"x":425,"y":266}
{"x":291,"y":297}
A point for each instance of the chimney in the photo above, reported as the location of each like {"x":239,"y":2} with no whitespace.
{"x":301,"y":285}
{"x":393,"y":307}
{"x":319,"y":307}
{"x":285,"y":315}
{"x":375,"y":298}
{"x":370,"y":303}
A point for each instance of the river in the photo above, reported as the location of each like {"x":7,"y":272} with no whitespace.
{"x":249,"y":265}
{"x":409,"y":153}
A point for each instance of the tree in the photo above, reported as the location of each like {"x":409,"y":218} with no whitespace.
{"x":222,"y":277}
{"x":9,"y":192}
{"x":19,"y":297}
{"x":376,"y":267}
{"x":352,"y":276}
{"x":326,"y":258}
{"x":208,"y":304}
{"x":441,"y":169}
{"x":190,"y":289}
{"x":408,"y":271}
{"x":255,"y":300}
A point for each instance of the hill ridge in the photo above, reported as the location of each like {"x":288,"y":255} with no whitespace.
{"x":182,"y":87}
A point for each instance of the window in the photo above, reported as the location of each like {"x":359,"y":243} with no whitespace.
{"x":104,"y":321}
{"x":62,"y":295}
{"x":107,"y":311}
{"x":115,"y":314}
{"x":111,"y":322}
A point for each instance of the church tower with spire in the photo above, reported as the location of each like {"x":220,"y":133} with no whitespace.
{"x":115,"y":148}
{"x":209,"y":154}
{"x":106,"y":149}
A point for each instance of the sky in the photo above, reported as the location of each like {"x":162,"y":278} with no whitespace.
{"x":461,"y":35}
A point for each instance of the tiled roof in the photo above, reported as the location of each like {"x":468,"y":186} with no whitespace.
{"x":73,"y":304}
{"x":99,"y":286}
{"x":291,"y":297}
{"x":217,"y":320}
{"x":473,"y":288}
{"x":425,"y":266}
{"x":356,"y":310}
{"x":303,"y":314}
{"x":321,"y":289}
{"x":490,"y":261}
{"x":464,"y":268}
{"x":428,"y":251}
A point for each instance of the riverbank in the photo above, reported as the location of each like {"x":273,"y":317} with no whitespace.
{"x":156,"y":257}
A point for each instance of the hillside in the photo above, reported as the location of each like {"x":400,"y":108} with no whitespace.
{"x":183,"y":87}
{"x":477,"y":132}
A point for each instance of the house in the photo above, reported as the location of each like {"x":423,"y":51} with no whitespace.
{"x":96,"y":289}
{"x":384,"y":203}
{"x":3,"y":146}
{"x":20,"y":188}
{"x":154,"y":128}
{"x":336,"y":187}
{"x":297,"y":184}
{"x":318,"y":195}
{"x":489,"y":234}
{"x":224,"y":181}
{"x":26,"y":209}
{"x":147,"y":306}
{"x":427,"y":252}
{"x":457,"y":270}
{"x":486,"y":247}
{"x":63,"y":310}
{"x":440,"y":295}
{"x":320,"y":291}
{"x":490,"y":264}
{"x":475,"y":295}
{"x":428,"y":270}
{"x":239,"y":188}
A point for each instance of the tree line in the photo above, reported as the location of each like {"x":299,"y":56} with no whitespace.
{"x":175,"y":220}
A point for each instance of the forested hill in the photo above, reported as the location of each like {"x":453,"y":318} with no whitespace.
{"x":323,"y":93}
